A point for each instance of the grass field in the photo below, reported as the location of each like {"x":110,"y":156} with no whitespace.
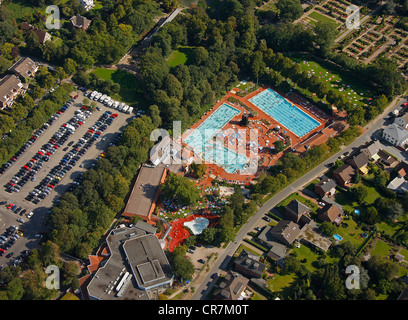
{"x":304,"y":252}
{"x":129,"y":85}
{"x":358,"y":93}
{"x":180,"y":56}
{"x":280,"y":283}
{"x":381,"y":249}
{"x":351,"y":233}
{"x":316,"y":16}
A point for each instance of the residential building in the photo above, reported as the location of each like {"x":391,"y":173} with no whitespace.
{"x":80,"y":22}
{"x":136,"y":268}
{"x":249,"y":265}
{"x":402,"y":121}
{"x":24,"y":68}
{"x":395,"y":135}
{"x":295,"y":210}
{"x":398,"y":184}
{"x":285,"y":232}
{"x":231,"y":287}
{"x":331,"y":212}
{"x":277,"y":251}
{"x":87,"y":4}
{"x":372,"y":150}
{"x":43,"y":36}
{"x":10,"y":88}
{"x":325,"y":187}
{"x":386,"y":158}
{"x":343,"y":175}
{"x":359,"y":162}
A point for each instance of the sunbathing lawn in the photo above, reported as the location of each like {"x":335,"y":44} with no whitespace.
{"x":381,"y":249}
{"x":343,"y":83}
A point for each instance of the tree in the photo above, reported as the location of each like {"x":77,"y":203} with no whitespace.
{"x":325,"y":34}
{"x":198,"y":169}
{"x":181,"y":188}
{"x":289,"y":10}
{"x":328,"y":229}
{"x":170,"y":5}
{"x":60,"y":74}
{"x":70,"y":66}
{"x":370,"y":215}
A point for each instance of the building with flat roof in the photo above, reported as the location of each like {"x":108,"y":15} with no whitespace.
{"x":146,"y":190}
{"x":136,"y":268}
{"x":148,"y":262}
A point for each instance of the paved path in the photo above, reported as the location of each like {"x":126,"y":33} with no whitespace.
{"x":224,"y":258}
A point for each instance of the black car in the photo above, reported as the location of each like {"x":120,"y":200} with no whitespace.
{"x":9,"y":255}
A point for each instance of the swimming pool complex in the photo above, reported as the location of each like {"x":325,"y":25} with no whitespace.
{"x":201,"y":140}
{"x":286,"y":113}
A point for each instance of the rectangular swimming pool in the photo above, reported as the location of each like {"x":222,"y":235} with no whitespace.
{"x":286,"y":113}
{"x":201,"y":140}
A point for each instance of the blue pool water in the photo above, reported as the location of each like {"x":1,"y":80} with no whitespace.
{"x":337,"y":237}
{"x":201,"y":140}
{"x":285,"y":112}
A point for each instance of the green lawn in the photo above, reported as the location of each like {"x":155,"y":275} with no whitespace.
{"x":344,"y":83}
{"x":180,"y":56}
{"x":343,"y":197}
{"x":280,"y":283}
{"x":19,"y":9}
{"x":129,"y":86}
{"x":381,"y":249}
{"x":351,"y":233}
{"x":316,"y":16}
{"x":304,"y":252}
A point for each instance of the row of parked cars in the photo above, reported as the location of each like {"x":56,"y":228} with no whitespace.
{"x":28,"y":171}
{"x":109,"y":102}
{"x":8,"y":239}
{"x":34,"y":137}
{"x":56,"y":141}
{"x":70,"y":159}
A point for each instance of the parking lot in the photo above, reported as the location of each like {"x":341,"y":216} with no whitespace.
{"x":52,"y":167}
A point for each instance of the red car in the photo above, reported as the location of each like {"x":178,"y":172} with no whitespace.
{"x":10,"y":206}
{"x":27,"y":168}
{"x":59,"y":112}
{"x":76,"y":97}
{"x":40,"y":153}
{"x":80,"y":123}
{"x":55,"y":147}
{"x":90,"y":130}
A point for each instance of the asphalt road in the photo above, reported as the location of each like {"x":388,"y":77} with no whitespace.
{"x":205,"y":287}
{"x":38,"y":221}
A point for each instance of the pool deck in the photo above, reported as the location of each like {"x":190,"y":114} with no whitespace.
{"x":267,"y":136}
